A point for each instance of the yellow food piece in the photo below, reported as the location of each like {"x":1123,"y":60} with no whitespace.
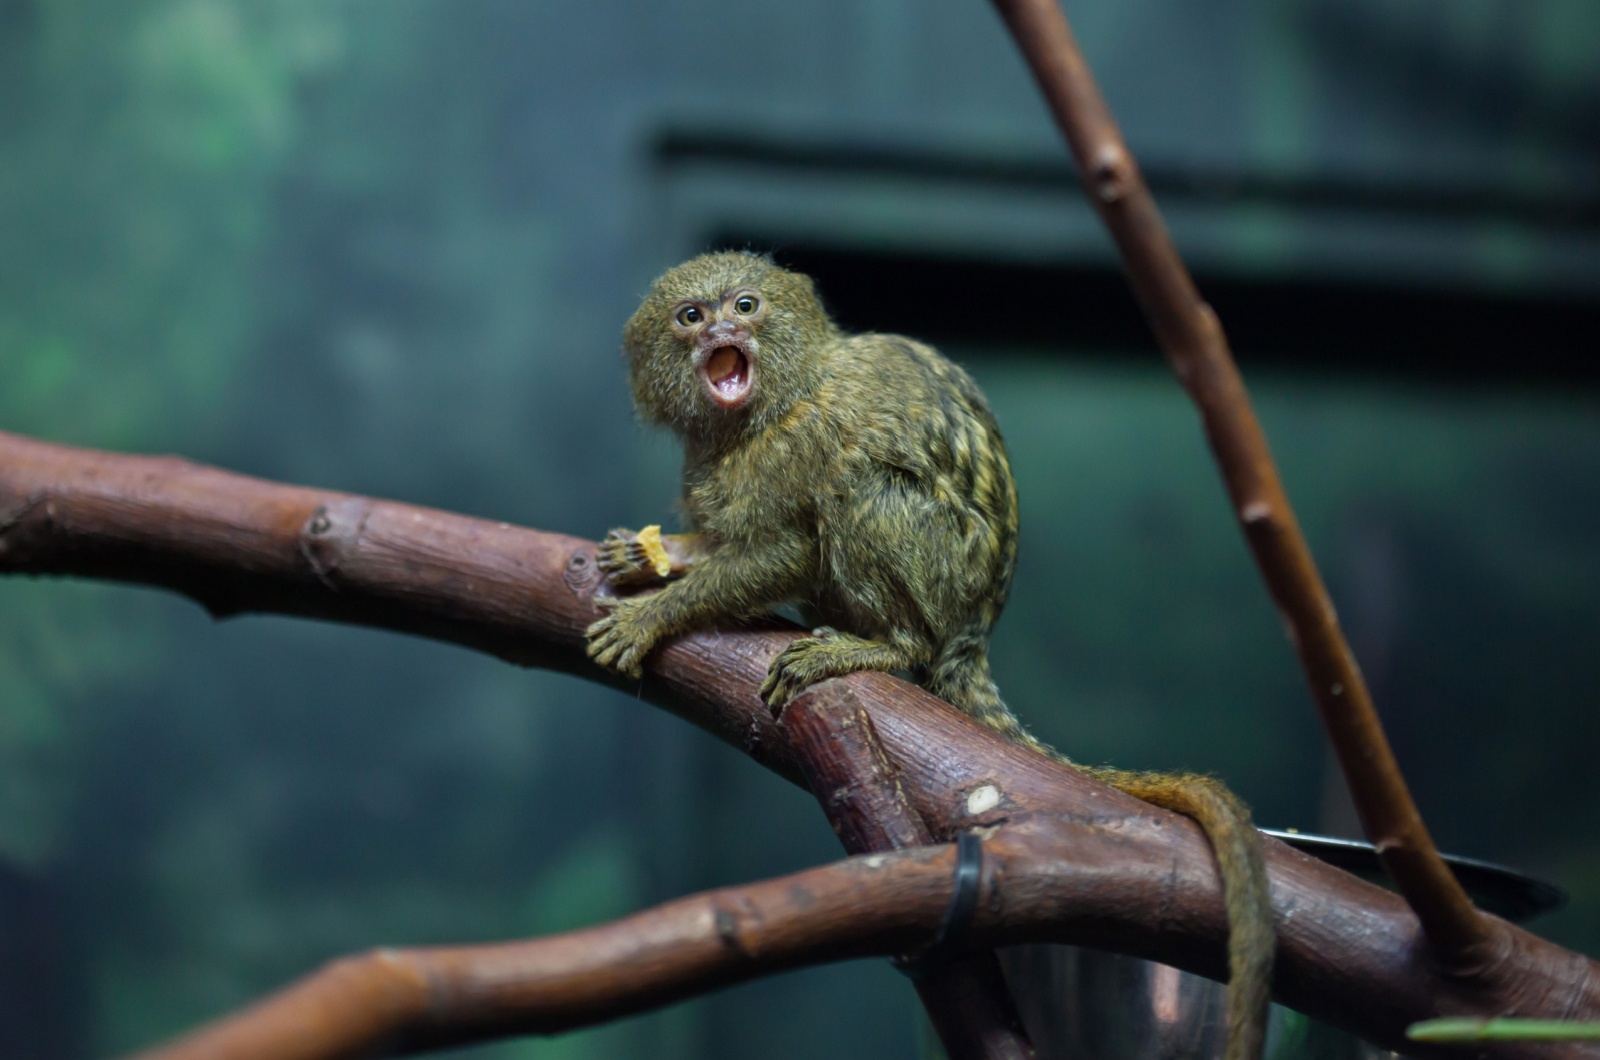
{"x":650,"y":540}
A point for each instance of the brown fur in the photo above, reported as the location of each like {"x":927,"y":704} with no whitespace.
{"x":864,"y":478}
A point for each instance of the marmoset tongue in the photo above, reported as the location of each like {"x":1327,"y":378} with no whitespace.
{"x":726,"y":369}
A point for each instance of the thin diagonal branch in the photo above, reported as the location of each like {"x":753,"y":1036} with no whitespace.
{"x":1192,"y":338}
{"x":1348,"y":952}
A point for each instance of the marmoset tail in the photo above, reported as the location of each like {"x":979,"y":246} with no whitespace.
{"x":863,"y":478}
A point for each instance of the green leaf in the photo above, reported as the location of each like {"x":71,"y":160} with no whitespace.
{"x":1500,"y":1029}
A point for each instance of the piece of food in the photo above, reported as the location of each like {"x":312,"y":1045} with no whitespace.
{"x":650,"y":540}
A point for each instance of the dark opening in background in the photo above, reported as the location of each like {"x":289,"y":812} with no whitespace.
{"x":1443,"y":336}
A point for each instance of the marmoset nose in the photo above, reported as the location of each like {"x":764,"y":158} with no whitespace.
{"x":726,"y":331}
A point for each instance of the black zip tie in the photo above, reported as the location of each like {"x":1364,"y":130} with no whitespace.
{"x":958,"y":914}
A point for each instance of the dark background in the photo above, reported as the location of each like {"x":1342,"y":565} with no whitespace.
{"x":387,"y":247}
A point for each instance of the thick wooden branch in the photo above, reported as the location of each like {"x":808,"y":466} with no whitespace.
{"x":847,"y":769}
{"x":1192,"y":338}
{"x":1349,"y":952}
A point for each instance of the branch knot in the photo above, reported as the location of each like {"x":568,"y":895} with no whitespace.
{"x":1111,"y":173}
{"x":332,"y":532}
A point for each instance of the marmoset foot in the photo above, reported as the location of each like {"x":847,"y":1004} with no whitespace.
{"x":624,"y":636}
{"x":826,"y":653}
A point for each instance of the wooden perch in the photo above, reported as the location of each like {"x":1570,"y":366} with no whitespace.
{"x":398,"y":1002}
{"x":1193,"y":341}
{"x":847,"y":769}
{"x":1050,"y":879}
{"x":1138,"y":880}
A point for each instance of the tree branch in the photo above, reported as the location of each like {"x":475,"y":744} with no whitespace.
{"x":847,"y":769}
{"x":1349,"y":952}
{"x":1192,"y":338}
{"x":399,"y":1002}
{"x":1056,"y":880}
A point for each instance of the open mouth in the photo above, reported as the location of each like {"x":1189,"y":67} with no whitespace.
{"x":727,"y":374}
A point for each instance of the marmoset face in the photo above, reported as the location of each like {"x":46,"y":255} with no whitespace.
{"x":721,"y":336}
{"x":722,"y":341}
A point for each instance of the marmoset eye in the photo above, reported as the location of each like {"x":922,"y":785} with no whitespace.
{"x":746,"y":304}
{"x":689,"y":315}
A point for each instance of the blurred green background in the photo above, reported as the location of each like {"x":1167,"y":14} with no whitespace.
{"x":387,"y":246}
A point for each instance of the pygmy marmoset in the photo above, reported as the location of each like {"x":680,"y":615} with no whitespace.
{"x":863,"y":478}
